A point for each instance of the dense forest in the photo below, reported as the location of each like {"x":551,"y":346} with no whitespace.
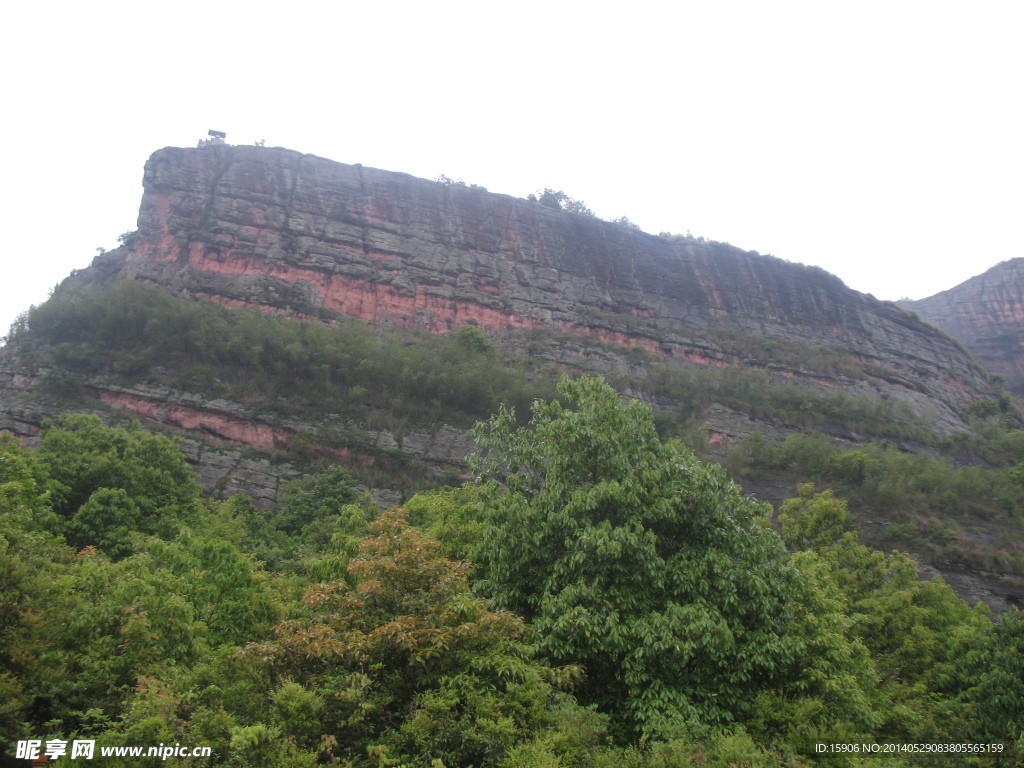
{"x":597,"y":596}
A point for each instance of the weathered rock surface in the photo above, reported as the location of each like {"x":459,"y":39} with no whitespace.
{"x":986,"y":313}
{"x":299,"y":234}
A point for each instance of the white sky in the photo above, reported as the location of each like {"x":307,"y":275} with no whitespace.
{"x":879,"y":140}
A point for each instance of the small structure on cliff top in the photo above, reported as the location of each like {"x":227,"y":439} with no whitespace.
{"x":216,"y":137}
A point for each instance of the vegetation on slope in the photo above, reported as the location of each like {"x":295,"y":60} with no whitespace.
{"x":370,"y":642}
{"x":394,"y":378}
{"x":275,"y":363}
{"x":972,"y":515}
{"x":388,"y":378}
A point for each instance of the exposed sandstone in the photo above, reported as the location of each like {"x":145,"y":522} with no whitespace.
{"x":303,"y":235}
{"x":300,"y":235}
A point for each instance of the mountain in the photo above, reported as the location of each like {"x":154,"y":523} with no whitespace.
{"x":986,"y":313}
{"x":371,"y":317}
{"x":297,"y":234}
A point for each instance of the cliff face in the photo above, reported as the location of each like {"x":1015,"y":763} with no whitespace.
{"x":986,"y":313}
{"x":299,"y":234}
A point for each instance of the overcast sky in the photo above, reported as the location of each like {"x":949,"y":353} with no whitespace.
{"x":879,"y":140}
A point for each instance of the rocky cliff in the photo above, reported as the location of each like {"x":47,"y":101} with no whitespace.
{"x":299,"y":234}
{"x":986,"y":313}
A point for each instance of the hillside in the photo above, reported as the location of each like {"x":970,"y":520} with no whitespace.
{"x":369,"y":317}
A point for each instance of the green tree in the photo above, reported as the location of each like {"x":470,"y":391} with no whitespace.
{"x":813,"y":522}
{"x":106,"y":520}
{"x":163,"y":609}
{"x":30,"y":560}
{"x":313,"y":498}
{"x":631,"y":557}
{"x":472,"y":338}
{"x":314,"y":527}
{"x":453,"y":516}
{"x":993,"y":670}
{"x":917,"y":632}
{"x":409,"y":663}
{"x":109,"y":481}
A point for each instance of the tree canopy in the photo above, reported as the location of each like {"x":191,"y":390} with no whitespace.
{"x":560,"y":201}
{"x":598,"y":599}
{"x":106,"y":482}
{"x":408,"y":662}
{"x":631,"y":557}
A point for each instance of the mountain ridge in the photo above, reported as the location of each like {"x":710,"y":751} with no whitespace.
{"x":301,"y":236}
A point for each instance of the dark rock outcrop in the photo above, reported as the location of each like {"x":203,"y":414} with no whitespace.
{"x":986,"y":313}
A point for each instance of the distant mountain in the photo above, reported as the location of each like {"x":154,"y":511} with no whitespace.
{"x":986,"y":313}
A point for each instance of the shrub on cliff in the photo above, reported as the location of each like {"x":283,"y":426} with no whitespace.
{"x":560,"y":201}
{"x":472,"y":338}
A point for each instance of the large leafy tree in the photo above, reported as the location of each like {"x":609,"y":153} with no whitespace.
{"x":630,"y":556}
{"x":107,"y":482}
{"x":29,"y":559}
{"x":409,"y":662}
{"x":917,"y":632}
{"x":163,"y":610}
{"x":994,"y":680}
